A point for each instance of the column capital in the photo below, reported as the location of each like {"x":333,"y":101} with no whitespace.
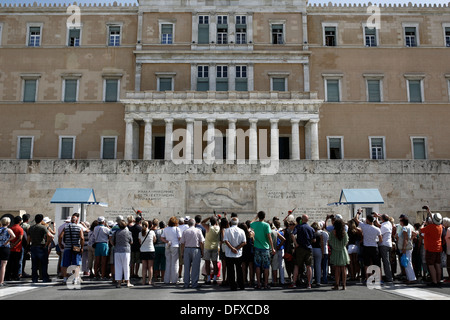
{"x":253,"y":120}
{"x":168,"y":120}
{"x":274,"y":120}
{"x":211,"y":120}
{"x":189,"y":120}
{"x":313,"y":120}
{"x":129,"y":120}
{"x":232,"y":120}
{"x":148,"y":120}
{"x":295,"y":121}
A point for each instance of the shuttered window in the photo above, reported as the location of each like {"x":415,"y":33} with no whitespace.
{"x":202,"y":78}
{"x":279,"y":84}
{"x":203,"y":29}
{"x":165,"y":84}
{"x":109,"y":148}
{"x":415,"y":91}
{"x":373,"y":90}
{"x":167,"y":33}
{"x":29,"y":91}
{"x":419,"y":150}
{"x":66,"y":148}
{"x":333,"y":90}
{"x":70,"y":90}
{"x":25,"y":147}
{"x":111,"y":90}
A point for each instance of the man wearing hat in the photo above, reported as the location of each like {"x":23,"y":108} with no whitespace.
{"x":432,"y":232}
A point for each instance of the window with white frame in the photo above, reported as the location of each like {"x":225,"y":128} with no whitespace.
{"x":70,"y":89}
{"x":222,"y":29}
{"x":414,"y":86}
{"x":221,"y":78}
{"x":114,"y":35}
{"x":66,"y":147}
{"x":279,"y":84}
{"x":374,"y":85}
{"x":411,"y":34}
{"x":277,"y":30}
{"x":370,"y":37}
{"x":165,"y":81}
{"x":335,"y":147}
{"x":111,"y":87}
{"x":30,"y":86}
{"x":241,"y":83}
{"x":202,"y":78}
{"x":419,"y":148}
{"x":108,"y":147}
{"x":167,"y":33}
{"x":203,"y":29}
{"x":332,"y":85}
{"x":34,"y":35}
{"x":447,"y":36}
{"x":330,"y":36}
{"x":241,"y":29}
{"x":74,"y":37}
{"x":25,"y":147}
{"x":1,"y":32}
{"x":377,"y":148}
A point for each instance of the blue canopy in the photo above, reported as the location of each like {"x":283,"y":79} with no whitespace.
{"x":359,"y":196}
{"x":74,"y":195}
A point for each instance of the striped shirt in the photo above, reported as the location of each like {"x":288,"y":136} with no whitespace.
{"x":72,"y":235}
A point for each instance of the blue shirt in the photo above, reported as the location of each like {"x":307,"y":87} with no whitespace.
{"x":305,"y":235}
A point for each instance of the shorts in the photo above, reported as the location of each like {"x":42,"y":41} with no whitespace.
{"x":4,"y":253}
{"x":211,"y":254}
{"x":101,"y":249}
{"x":303,"y":256}
{"x":70,"y":258}
{"x":432,"y":257}
{"x":262,"y":258}
{"x":371,"y":256}
{"x":275,"y":261}
{"x":135,"y":257}
{"x":353,"y":248}
{"x":147,"y":255}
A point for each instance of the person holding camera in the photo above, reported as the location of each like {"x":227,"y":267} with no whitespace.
{"x":71,"y":240}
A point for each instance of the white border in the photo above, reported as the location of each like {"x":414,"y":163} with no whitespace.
{"x":60,"y":145}
{"x":342,"y":146}
{"x":384,"y":146}
{"x":18,"y":146}
{"x":425,"y":141}
{"x":115,"y":146}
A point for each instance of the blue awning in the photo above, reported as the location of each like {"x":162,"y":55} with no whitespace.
{"x":74,"y":195}
{"x":359,"y":196}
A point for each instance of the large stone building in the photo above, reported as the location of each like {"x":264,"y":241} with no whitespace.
{"x":254,"y":89}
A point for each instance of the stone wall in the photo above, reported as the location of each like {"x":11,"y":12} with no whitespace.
{"x":162,"y":189}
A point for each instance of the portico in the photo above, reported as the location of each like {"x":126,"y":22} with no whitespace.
{"x":246,"y":124}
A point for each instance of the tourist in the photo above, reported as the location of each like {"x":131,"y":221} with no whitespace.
{"x":192,"y":246}
{"x":432,"y":232}
{"x":248,"y":256}
{"x":198,"y":224}
{"x":235,"y":240}
{"x":14,"y":262}
{"x":39,"y":240}
{"x":277,"y":258}
{"x":354,"y":244}
{"x":263,"y":247}
{"x":223,"y":226}
{"x":147,"y":239}
{"x":71,"y":241}
{"x":289,"y":247}
{"x":211,"y":253}
{"x":303,"y":237}
{"x":446,"y":237}
{"x":159,"y":265}
{"x":405,"y":245}
{"x":135,"y":229}
{"x":100,"y":240}
{"x":122,"y":240}
{"x":371,"y":238}
{"x":6,"y":236}
{"x":171,"y":237}
{"x":339,"y":256}
{"x":318,"y":251}
{"x":25,"y":247}
{"x":385,"y":245}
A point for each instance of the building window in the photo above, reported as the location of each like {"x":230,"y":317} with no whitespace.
{"x":74,"y":37}
{"x":415,"y":91}
{"x":166,"y":33}
{"x":373,"y":90}
{"x":29,"y":90}
{"x":447,"y":35}
{"x":330,"y":36}
{"x":277,"y":34}
{"x":377,"y":148}
{"x":70,"y":90}
{"x":203,"y":29}
{"x":284,"y":148}
{"x":1,"y":32}
{"x":335,"y":146}
{"x":221,"y":78}
{"x":25,"y":147}
{"x":159,"y":143}
{"x":34,"y":36}
{"x":165,"y":83}
{"x":109,"y":147}
{"x":222,"y":29}
{"x":66,"y":147}
{"x":241,"y":29}
{"x":202,"y":78}
{"x":332,"y":93}
{"x":279,"y":84}
{"x":241,"y":83}
{"x":114,"y":32}
{"x":111,"y":93}
{"x":370,"y":36}
{"x":411,"y":37}
{"x":419,"y":148}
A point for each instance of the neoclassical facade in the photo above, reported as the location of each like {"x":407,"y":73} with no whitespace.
{"x":222,"y":81}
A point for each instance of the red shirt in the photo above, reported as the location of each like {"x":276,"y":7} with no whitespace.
{"x":432,"y":237}
{"x":18,"y":231}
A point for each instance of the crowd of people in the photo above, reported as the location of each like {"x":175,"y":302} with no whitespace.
{"x":293,"y":252}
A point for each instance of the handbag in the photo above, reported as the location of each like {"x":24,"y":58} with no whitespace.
{"x":75,"y":248}
{"x":404,"y":261}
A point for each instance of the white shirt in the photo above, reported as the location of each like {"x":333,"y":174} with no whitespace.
{"x":370,"y":234}
{"x":172,"y":234}
{"x":147,"y":244}
{"x":386,"y":233}
{"x":235,"y":236}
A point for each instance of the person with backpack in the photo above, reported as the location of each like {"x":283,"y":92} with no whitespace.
{"x":147,"y":239}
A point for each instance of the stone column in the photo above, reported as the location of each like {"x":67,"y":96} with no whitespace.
{"x":253,"y":141}
{"x":314,"y":139}
{"x":189,"y":140}
{"x":148,"y":139}
{"x":231,"y":141}
{"x":295,"y":139}
{"x":137,"y":77}
{"x":169,"y":140}
{"x":210,"y":141}
{"x":129,"y":139}
{"x":274,"y":140}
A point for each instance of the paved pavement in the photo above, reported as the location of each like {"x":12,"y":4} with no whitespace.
{"x":179,"y":300}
